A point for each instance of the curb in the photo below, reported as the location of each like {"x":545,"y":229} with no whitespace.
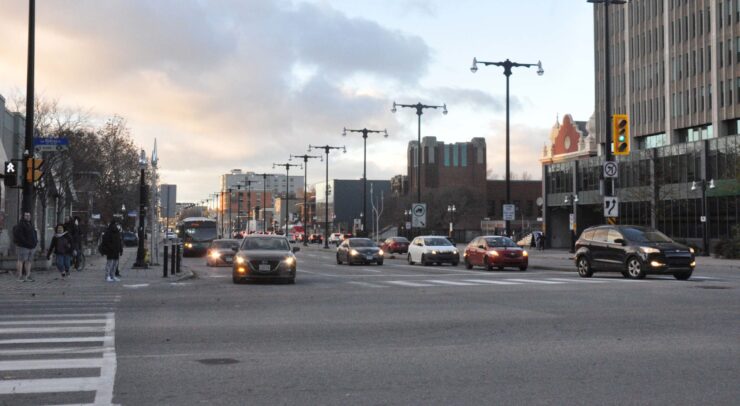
{"x":187,"y":275}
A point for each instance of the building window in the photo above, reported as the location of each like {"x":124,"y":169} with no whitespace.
{"x":721,"y":93}
{"x":447,"y":155}
{"x":701,"y":99}
{"x":464,"y":155}
{"x":652,"y":141}
{"x":737,"y":50}
{"x":737,"y":89}
{"x":709,"y":97}
{"x":454,"y":155}
{"x":480,"y":151}
{"x":721,"y":55}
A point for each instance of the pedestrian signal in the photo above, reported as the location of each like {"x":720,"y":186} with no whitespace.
{"x":11,"y":174}
{"x":33,"y":169}
{"x":621,"y":134}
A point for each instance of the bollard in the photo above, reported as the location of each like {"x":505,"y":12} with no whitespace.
{"x":164,"y":268}
{"x":172,"y":264}
{"x":179,"y":257}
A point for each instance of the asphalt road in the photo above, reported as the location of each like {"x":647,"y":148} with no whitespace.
{"x":400,"y":334}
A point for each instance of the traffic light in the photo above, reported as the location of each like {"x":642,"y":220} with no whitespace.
{"x":11,"y":174}
{"x":33,"y":169}
{"x":621,"y":134}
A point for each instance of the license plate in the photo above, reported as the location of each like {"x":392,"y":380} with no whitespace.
{"x":228,"y":259}
{"x":369,"y":257}
{"x":265,"y":268}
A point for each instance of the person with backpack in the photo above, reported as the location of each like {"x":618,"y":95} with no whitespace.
{"x":62,"y":246}
{"x":25,"y":239}
{"x":73,"y":228}
{"x":112,"y":248}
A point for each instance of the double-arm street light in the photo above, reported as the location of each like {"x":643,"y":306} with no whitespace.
{"x":287,"y":167}
{"x":248,"y":184}
{"x":140,"y":252}
{"x":451,"y":209}
{"x":364,"y":133}
{"x":704,"y":185}
{"x":231,"y":227}
{"x":572,"y":199}
{"x":419,"y":111}
{"x":327,"y":149}
{"x":305,"y":158}
{"x":507,"y":65}
{"x":264,"y":206}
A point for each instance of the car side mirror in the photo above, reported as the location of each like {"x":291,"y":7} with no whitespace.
{"x":620,"y":241}
{"x":296,"y":249}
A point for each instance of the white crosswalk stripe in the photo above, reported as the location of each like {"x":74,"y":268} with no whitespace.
{"x":507,"y":282}
{"x":38,"y":342}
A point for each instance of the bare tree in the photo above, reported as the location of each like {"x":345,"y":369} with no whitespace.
{"x":51,"y":119}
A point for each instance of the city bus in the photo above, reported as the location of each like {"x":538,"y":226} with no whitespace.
{"x":196,"y":234}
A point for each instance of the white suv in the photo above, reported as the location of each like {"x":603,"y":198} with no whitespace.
{"x":335,"y":238}
{"x":430,"y":249}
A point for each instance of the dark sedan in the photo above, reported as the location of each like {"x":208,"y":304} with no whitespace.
{"x":130,"y":239}
{"x":265,"y":257}
{"x":395,"y":245}
{"x":359,"y":251}
{"x":221,"y":252}
{"x":634,"y":251}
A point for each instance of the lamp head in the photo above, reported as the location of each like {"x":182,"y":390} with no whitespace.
{"x":385,"y":133}
{"x":344,"y":132}
{"x":344,"y":149}
{"x":575,"y":198}
{"x":711,"y":183}
{"x":474,"y":68}
{"x":444,"y":109}
{"x":393,"y":109}
{"x":540,"y":71}
{"x":693,"y":185}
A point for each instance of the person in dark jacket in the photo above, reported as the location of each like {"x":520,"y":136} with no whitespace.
{"x":62,"y":246}
{"x":112,"y":248}
{"x":25,"y":239}
{"x":75,"y":232}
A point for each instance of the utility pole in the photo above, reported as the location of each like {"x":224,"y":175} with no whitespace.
{"x":364,"y":133}
{"x":27,"y":203}
{"x":327,"y":149}
{"x":305,"y":158}
{"x":287,"y":167}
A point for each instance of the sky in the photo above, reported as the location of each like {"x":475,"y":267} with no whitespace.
{"x":226,"y":84}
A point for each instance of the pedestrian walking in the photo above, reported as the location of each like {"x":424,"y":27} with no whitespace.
{"x":112,"y":248}
{"x":541,"y":241}
{"x":25,"y":239}
{"x":533,"y":240}
{"x":62,"y":247}
{"x":75,"y":232}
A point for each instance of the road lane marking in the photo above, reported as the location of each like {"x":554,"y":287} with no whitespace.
{"x":574,"y":280}
{"x":368,"y":284}
{"x":488,"y":281}
{"x":27,"y":330}
{"x":63,"y":363}
{"x":51,"y":385}
{"x":53,"y":340}
{"x":45,"y":316}
{"x":451,"y":283}
{"x":49,"y":322}
{"x":412,"y":284}
{"x":138,"y":285}
{"x":535,"y":281}
{"x":54,"y":350}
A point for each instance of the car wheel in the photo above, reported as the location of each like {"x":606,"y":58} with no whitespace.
{"x":487,"y":265}
{"x":468,"y":265}
{"x":455,"y":263}
{"x":408,"y":258}
{"x":522,"y":268}
{"x":682,"y":276}
{"x":290,"y":281}
{"x":339,"y":261}
{"x":237,"y":280}
{"x":424,"y":260}
{"x":380,"y":263}
{"x":500,"y":268}
{"x":584,"y":267}
{"x":634,"y":268}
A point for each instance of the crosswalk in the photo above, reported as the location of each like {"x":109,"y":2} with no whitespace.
{"x":57,"y":350}
{"x":504,"y":282}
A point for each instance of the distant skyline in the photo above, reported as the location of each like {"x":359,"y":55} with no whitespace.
{"x":243,"y":84}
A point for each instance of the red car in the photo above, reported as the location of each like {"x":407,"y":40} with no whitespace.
{"x":395,"y":245}
{"x":494,"y":251}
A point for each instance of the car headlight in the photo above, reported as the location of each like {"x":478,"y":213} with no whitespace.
{"x":455,"y":252}
{"x":381,"y":253}
{"x":525,"y":253}
{"x":493,"y":253}
{"x":434,"y":252}
{"x":354,"y":253}
{"x":215,"y":254}
{"x":691,"y":250}
{"x":240,"y":260}
{"x":650,"y":250}
{"x":290,"y":261}
{"x":188,"y":245}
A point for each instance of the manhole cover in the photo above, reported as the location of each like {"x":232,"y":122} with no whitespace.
{"x":713,"y":287}
{"x":218,"y":361}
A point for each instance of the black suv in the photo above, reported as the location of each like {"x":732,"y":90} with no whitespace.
{"x":632,"y":250}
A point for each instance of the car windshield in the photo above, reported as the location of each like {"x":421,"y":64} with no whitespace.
{"x":226,"y":244}
{"x":400,"y":239}
{"x":644,"y":235}
{"x":437,"y":242}
{"x":500,"y":242}
{"x":269,"y":244}
{"x":361,"y":242}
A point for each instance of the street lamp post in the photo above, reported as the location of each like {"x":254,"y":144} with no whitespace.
{"x":28,"y":200}
{"x":364,"y":133}
{"x":305,"y":158}
{"x":507,"y":65}
{"x":287,"y":167}
{"x":231,"y":227}
{"x":451,"y":209}
{"x":248,"y":183}
{"x":704,"y":185}
{"x":327,"y":149}
{"x":238,"y":208}
{"x":264,"y":204}
{"x":140,"y":251}
{"x":571,"y":199}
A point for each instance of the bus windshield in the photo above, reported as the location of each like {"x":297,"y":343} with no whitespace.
{"x":201,"y":233}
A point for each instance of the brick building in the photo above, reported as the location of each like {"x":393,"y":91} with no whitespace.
{"x":445,"y":165}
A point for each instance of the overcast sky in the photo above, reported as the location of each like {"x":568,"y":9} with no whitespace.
{"x":243,"y":84}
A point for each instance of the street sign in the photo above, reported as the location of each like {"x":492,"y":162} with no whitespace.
{"x":408,"y":225}
{"x":611,"y":206}
{"x":572,"y":221}
{"x":419,"y":215}
{"x":50,"y":144}
{"x":509,"y":212}
{"x":539,"y":219}
{"x":610,"y":169}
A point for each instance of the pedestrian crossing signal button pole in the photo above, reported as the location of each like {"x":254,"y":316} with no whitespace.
{"x":621,"y":131}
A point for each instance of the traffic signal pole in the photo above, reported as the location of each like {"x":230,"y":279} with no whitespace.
{"x":27,"y":202}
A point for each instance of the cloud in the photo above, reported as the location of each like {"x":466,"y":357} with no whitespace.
{"x":526,"y":142}
{"x":477,"y":99}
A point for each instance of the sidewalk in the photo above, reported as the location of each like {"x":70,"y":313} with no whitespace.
{"x":93,"y":276}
